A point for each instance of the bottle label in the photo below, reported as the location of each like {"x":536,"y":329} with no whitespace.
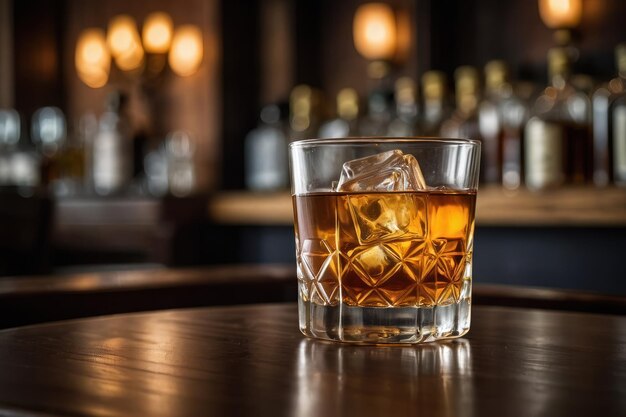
{"x":544,"y":153}
{"x":619,"y":143}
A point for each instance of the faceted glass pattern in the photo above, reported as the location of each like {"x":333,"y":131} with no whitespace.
{"x":387,"y":249}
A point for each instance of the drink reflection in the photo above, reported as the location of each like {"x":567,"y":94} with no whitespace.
{"x":335,"y":379}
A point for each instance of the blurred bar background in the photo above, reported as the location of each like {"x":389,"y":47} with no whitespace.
{"x":160,"y":141}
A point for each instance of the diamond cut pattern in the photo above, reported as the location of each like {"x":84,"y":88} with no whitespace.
{"x":443,"y":270}
{"x":375,"y":264}
{"x":385,"y":259}
{"x":319,"y":267}
{"x":401,"y":288}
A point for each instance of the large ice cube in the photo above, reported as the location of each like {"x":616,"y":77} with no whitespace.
{"x":382,"y":217}
{"x":387,"y":171}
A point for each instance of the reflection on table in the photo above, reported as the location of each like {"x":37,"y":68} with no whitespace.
{"x":252,"y":360}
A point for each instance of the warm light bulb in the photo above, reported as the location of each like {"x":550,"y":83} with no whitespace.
{"x":375,"y":31}
{"x":557,"y":14}
{"x":92,"y":58}
{"x":131,"y":59}
{"x":187,"y":50}
{"x":122,"y":35}
{"x":124,"y":43}
{"x":157,"y":33}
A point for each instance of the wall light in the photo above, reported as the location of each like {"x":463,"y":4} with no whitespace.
{"x":561,"y":14}
{"x":375,"y":31}
{"x":148,"y":54}
{"x":157,"y":33}
{"x":92,"y":58}
{"x":124,"y":43}
{"x":186,"y":53}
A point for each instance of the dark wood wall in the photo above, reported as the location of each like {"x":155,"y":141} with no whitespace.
{"x":38,"y":55}
{"x":240,"y":84}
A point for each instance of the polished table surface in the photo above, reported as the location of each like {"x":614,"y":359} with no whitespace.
{"x":253,"y":361}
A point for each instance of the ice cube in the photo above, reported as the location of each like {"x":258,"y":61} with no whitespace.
{"x":387,"y":171}
{"x":383,"y":217}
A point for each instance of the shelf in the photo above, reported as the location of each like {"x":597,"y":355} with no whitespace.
{"x":580,"y":207}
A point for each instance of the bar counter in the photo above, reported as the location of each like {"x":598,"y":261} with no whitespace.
{"x":252,"y":360}
{"x":46,"y":298}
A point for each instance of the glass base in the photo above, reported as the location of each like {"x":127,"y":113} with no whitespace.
{"x":385,"y":325}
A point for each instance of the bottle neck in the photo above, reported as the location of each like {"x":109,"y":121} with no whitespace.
{"x":348,"y":111}
{"x":559,"y":80}
{"x":467,"y":103}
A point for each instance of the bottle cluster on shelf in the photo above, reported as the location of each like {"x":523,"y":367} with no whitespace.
{"x":101,"y":156}
{"x":572,"y":131}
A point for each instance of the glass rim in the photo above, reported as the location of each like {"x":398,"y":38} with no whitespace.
{"x":374,"y":140}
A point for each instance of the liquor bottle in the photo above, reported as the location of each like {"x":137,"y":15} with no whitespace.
{"x":305,"y":112}
{"x":405,"y":95}
{"x":464,"y":121}
{"x":379,"y":112}
{"x":618,"y":119}
{"x":87,"y":128}
{"x":156,"y":171}
{"x":435,"y":109}
{"x":25,"y":162}
{"x":49,"y":133}
{"x":490,"y":122}
{"x":346,"y":123}
{"x":71,"y":164}
{"x":112,"y":148}
{"x":180,"y":168}
{"x":557,"y":140}
{"x":10,"y":126}
{"x":609,"y":150}
{"x":501,"y":116}
{"x":514,"y":115}
{"x":266,"y":152}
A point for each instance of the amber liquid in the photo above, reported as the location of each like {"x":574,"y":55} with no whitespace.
{"x":384,"y":249}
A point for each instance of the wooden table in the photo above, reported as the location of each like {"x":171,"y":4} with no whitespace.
{"x":252,"y":361}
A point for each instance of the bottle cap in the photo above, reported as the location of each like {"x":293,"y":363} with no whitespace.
{"x":405,"y":91}
{"x":466,"y":88}
{"x":558,"y":62}
{"x":300,"y":107}
{"x":347,"y":103}
{"x":433,"y":84}
{"x":466,"y":78}
{"x":496,"y":74}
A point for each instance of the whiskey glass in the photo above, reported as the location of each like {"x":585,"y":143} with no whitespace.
{"x":384,"y":237}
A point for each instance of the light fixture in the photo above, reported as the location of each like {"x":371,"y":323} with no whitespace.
{"x":124,"y":43}
{"x":92,"y":58}
{"x":375,"y":31}
{"x":561,"y":15}
{"x":147,"y":54}
{"x":186,"y":52}
{"x":157,"y":33}
{"x":382,"y":36}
